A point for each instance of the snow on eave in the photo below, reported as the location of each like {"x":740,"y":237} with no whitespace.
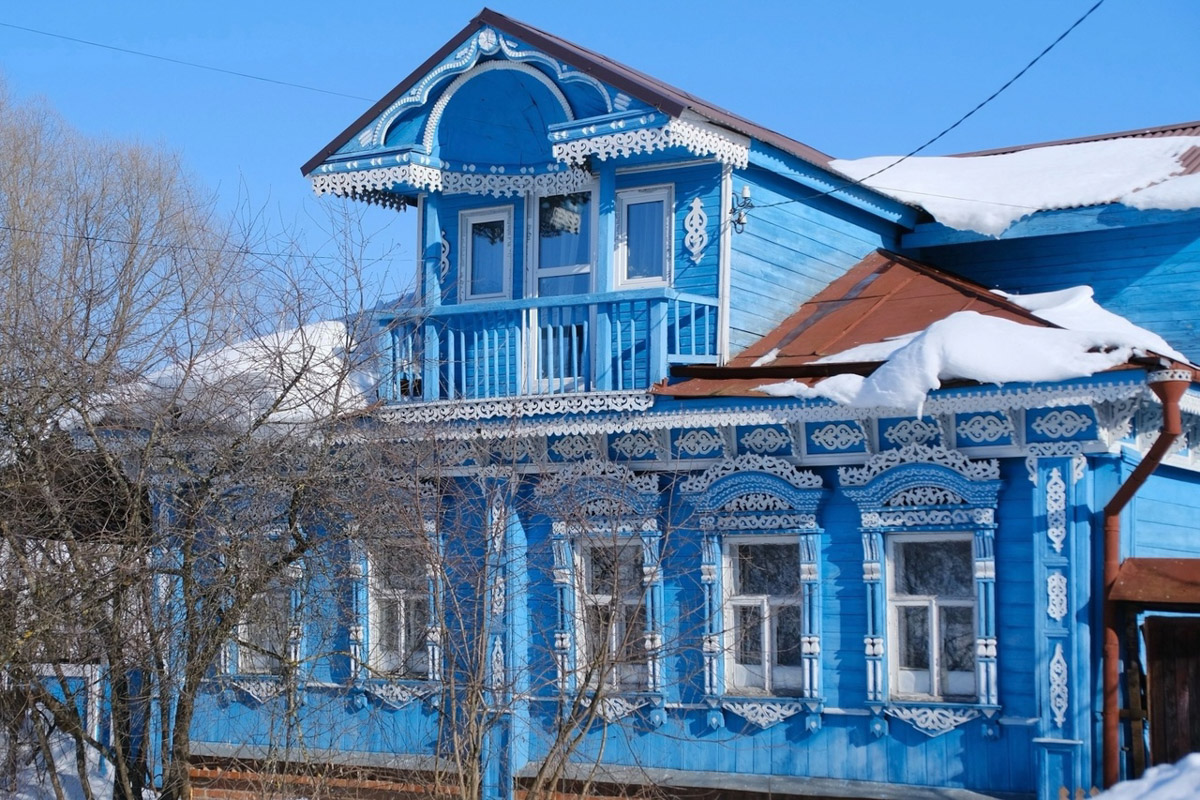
{"x":987,"y":194}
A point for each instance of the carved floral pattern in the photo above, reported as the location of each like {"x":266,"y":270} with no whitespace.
{"x":636,"y":444}
{"x":985,"y":428}
{"x":751,"y":462}
{"x":700,"y":140}
{"x":572,"y":448}
{"x":984,"y":470}
{"x":1059,"y":693}
{"x":933,"y":720}
{"x":395,"y":695}
{"x":1056,"y":595}
{"x":612,"y":709}
{"x":912,"y":431}
{"x":765,"y":440}
{"x":764,"y":714}
{"x":432,"y":179}
{"x":1061,"y":423}
{"x":698,"y":443}
{"x":1056,"y":509}
{"x":695,"y":223}
{"x":837,"y":436}
{"x":924,"y":496}
{"x":259,"y":690}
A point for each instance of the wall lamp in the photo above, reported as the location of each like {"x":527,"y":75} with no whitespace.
{"x":738,"y":209}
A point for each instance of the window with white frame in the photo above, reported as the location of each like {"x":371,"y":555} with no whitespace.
{"x":564,"y":244}
{"x":644,"y":233}
{"x":399,"y":613}
{"x":613,"y":609}
{"x":931,"y":616}
{"x":486,"y":253}
{"x":265,"y":632}
{"x":763,"y":619}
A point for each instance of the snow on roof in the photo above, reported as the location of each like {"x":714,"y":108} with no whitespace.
{"x":989,"y":193}
{"x":1178,"y":781}
{"x":968,"y":345}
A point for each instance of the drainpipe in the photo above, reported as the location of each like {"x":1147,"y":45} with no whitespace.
{"x":1168,"y":385}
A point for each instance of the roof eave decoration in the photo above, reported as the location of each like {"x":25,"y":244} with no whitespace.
{"x":630,"y":134}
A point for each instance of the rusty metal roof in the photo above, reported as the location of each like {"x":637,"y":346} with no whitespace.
{"x":651,"y":91}
{"x":883,"y":296}
{"x":1165,"y":583}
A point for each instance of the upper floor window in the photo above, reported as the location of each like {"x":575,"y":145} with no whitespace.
{"x":931,"y":610}
{"x":399,"y":615}
{"x":614,"y":613}
{"x":564,"y":244}
{"x":486,"y":253}
{"x":763,"y":614}
{"x":644,"y":235}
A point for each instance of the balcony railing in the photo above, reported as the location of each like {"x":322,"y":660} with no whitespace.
{"x":549,"y":345}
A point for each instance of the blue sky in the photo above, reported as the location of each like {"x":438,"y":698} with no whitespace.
{"x":852,"y":78}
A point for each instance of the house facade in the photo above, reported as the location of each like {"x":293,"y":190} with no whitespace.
{"x":681,"y":579}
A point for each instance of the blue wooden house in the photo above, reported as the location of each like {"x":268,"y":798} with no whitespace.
{"x":696,"y":580}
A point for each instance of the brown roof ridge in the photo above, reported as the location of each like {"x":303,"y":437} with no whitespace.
{"x":1174,"y":129}
{"x":666,"y":98}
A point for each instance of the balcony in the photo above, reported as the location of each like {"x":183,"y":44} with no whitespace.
{"x":541,"y":346}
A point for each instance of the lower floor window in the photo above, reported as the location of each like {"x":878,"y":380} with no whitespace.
{"x":763,"y":616}
{"x":265,"y":632}
{"x":399,"y":614}
{"x":614,"y":615}
{"x":931,"y":605}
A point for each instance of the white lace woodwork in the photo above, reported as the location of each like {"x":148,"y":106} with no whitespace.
{"x":698,"y":138}
{"x":444,"y":257}
{"x":764,"y":713}
{"x":766,"y":440}
{"x":1056,"y":596}
{"x":497,"y":672}
{"x":395,"y":695}
{"x":912,"y":431}
{"x":698,"y":443}
{"x":750,"y":462}
{"x":1056,"y":509}
{"x":985,"y":428}
{"x":1036,"y":450}
{"x":613,"y":709}
{"x":710,"y":576}
{"x":918,"y":487}
{"x":422,"y":178}
{"x":1059,"y":692}
{"x":1061,"y":423}
{"x":620,"y":412}
{"x":696,"y":224}
{"x":575,"y":447}
{"x":258,"y":690}
{"x":1115,"y":417}
{"x":933,"y":720}
{"x":837,"y":436}
{"x":636,"y":444}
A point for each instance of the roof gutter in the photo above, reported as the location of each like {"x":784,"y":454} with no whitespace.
{"x":1169,"y":386}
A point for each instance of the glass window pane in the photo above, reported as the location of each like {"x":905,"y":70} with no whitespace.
{"x":645,"y":248}
{"x":631,"y":647}
{"x":941,"y":568}
{"x":487,"y":257}
{"x":770,"y":569}
{"x":564,"y":230}
{"x":913,"y":623}
{"x":598,"y":630}
{"x":565,"y":284}
{"x":787,"y":635}
{"x":958,"y":639}
{"x":748,"y":645}
{"x":615,"y":570}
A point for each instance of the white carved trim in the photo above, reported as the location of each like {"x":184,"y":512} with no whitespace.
{"x":395,"y":695}
{"x":933,"y":720}
{"x":765,"y":713}
{"x":698,"y":138}
{"x":698,"y":443}
{"x":1036,"y":450}
{"x":1056,"y":595}
{"x":837,"y":436}
{"x":765,"y":440}
{"x":1061,"y":423}
{"x":984,"y":470}
{"x":612,"y":709}
{"x":499,"y":673}
{"x":497,"y":183}
{"x":260,"y":690}
{"x":1059,"y":693}
{"x":695,"y":223}
{"x":751,"y":462}
{"x":444,"y":256}
{"x":578,"y":473}
{"x":759,"y":522}
{"x":927,"y":517}
{"x":636,"y":444}
{"x":985,"y":428}
{"x":1056,"y":510}
{"x":912,"y":431}
{"x":924,"y":496}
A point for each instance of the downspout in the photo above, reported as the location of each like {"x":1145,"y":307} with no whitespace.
{"x":1169,"y":386}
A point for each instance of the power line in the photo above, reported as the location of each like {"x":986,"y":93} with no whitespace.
{"x":862,"y":181}
{"x":181,"y":62}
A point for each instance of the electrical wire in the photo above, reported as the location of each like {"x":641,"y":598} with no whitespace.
{"x":181,"y":62}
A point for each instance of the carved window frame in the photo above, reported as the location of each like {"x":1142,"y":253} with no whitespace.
{"x":925,"y":492}
{"x":369,"y":640}
{"x":241,"y":651}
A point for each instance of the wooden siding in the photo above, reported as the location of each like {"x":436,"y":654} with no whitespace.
{"x":1150,"y":274}
{"x":1166,"y":516}
{"x":789,"y":251}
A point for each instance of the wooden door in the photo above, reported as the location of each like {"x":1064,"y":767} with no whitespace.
{"x":1173,"y":684}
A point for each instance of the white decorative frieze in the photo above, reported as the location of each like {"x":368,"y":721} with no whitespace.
{"x":499,"y":673}
{"x":259,"y":690}
{"x":636,"y":444}
{"x":912,"y":431}
{"x":759,"y":522}
{"x":933,"y":720}
{"x":395,"y":695}
{"x":1056,"y":596}
{"x":924,"y":496}
{"x":1115,"y":417}
{"x":1036,"y":450}
{"x":573,"y":448}
{"x":765,"y":440}
{"x":837,"y":436}
{"x":1061,"y":423}
{"x":698,"y":138}
{"x":698,"y":443}
{"x":1059,"y":693}
{"x":764,"y":714}
{"x":926,"y":517}
{"x":498,"y":595}
{"x":695,"y":224}
{"x":612,"y":709}
{"x":751,"y":462}
{"x":983,"y":470}
{"x":985,"y":428}
{"x":1056,"y":510}
{"x":475,"y":181}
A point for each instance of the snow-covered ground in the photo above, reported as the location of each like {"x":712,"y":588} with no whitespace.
{"x":987,"y":194}
{"x":1178,"y":781}
{"x":34,"y":783}
{"x":970,"y":346}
